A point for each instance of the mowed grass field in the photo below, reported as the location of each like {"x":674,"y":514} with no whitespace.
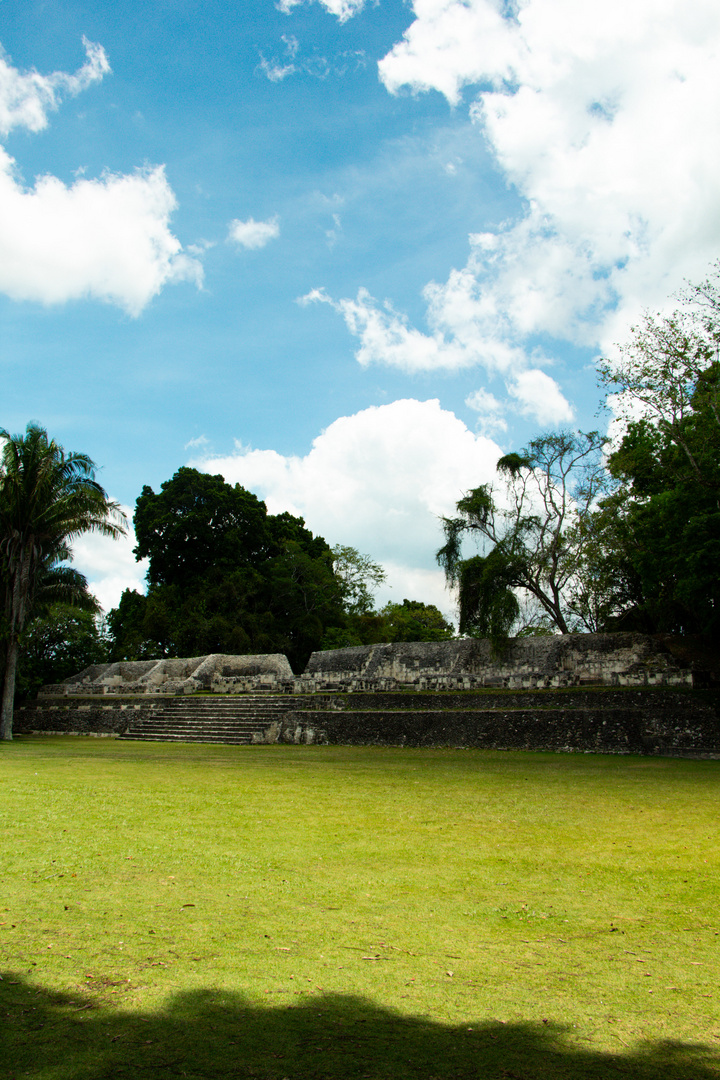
{"x":289,"y":912}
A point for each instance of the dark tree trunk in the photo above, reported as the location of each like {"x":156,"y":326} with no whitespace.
{"x":8,"y":691}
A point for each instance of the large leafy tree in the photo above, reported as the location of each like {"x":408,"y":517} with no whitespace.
{"x":412,"y":620}
{"x":665,"y":387}
{"x":359,"y":577}
{"x":415,"y":621}
{"x":529,"y":533}
{"x":224,"y":576}
{"x":47,"y":498}
{"x":196,"y":521}
{"x":665,"y":384}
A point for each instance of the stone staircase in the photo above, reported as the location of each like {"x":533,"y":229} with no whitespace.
{"x":241,"y":719}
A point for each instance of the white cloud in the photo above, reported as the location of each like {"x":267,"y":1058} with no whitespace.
{"x":332,"y":235}
{"x":108,"y":239}
{"x":275,"y":70}
{"x":417,"y":583}
{"x":26,"y":98}
{"x":343,"y":9}
{"x":386,"y":338}
{"x":314,"y":65}
{"x":376,"y":480}
{"x":110,"y":565}
{"x":608,"y":127}
{"x":540,"y":397}
{"x":197,"y":442}
{"x":291,"y":44}
{"x":467,"y":328}
{"x":254,"y":234}
{"x":490,"y":420}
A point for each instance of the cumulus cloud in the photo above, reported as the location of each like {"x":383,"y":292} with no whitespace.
{"x":467,"y":328}
{"x":254,"y":234}
{"x":108,"y":239}
{"x":539,"y":396}
{"x":377,"y":480}
{"x":386,"y":338}
{"x":27,"y":97}
{"x":110,"y":565}
{"x":608,"y":127}
{"x":343,"y":9}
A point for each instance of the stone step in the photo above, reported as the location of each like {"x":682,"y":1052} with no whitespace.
{"x":184,"y":734}
{"x":229,"y":740}
{"x":232,"y":720}
{"x":214,"y":705}
{"x":213,"y":709}
{"x":224,"y":706}
{"x":219,"y":699}
{"x":241,"y":713}
{"x":200,"y":722}
{"x":199,"y":728}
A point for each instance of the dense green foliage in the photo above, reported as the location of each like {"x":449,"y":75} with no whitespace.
{"x":409,"y":621}
{"x":47,"y":499}
{"x":664,"y":516}
{"x":358,"y":576}
{"x":629,"y":541}
{"x":58,"y":644}
{"x":224,"y":576}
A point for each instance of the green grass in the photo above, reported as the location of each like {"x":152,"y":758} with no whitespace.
{"x":296,"y":912}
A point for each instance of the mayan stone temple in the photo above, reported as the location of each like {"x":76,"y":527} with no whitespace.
{"x":619,"y":693}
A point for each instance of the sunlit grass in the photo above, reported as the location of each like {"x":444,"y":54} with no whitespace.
{"x":463,"y":887}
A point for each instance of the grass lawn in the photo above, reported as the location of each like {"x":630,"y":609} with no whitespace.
{"x":290,"y":912}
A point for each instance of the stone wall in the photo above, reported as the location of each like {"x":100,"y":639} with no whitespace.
{"x":526,"y":663}
{"x":659,"y":721}
{"x":79,"y":716}
{"x":613,"y":721}
{"x":535,"y":662}
{"x":534,"y":695}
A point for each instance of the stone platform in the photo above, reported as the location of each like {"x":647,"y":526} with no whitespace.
{"x":681,"y":722}
{"x":611,"y":693}
{"x":467,"y":664}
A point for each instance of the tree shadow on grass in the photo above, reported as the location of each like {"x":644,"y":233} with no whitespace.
{"x":206,"y":1034}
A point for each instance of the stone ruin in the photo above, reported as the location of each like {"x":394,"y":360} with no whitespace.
{"x":216,"y":672}
{"x":529,"y":663}
{"x":622,"y":659}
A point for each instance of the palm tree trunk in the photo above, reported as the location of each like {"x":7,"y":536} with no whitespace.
{"x":8,"y":693}
{"x":19,"y":588}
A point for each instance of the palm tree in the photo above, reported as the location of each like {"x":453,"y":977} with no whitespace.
{"x":47,"y":498}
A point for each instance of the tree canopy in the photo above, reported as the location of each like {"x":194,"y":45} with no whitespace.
{"x":610,"y":533}
{"x":58,"y":643}
{"x":664,"y":515}
{"x":359,"y":577}
{"x":529,"y":532}
{"x":224,"y":576}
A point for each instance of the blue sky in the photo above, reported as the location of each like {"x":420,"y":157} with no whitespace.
{"x":344,"y":252}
